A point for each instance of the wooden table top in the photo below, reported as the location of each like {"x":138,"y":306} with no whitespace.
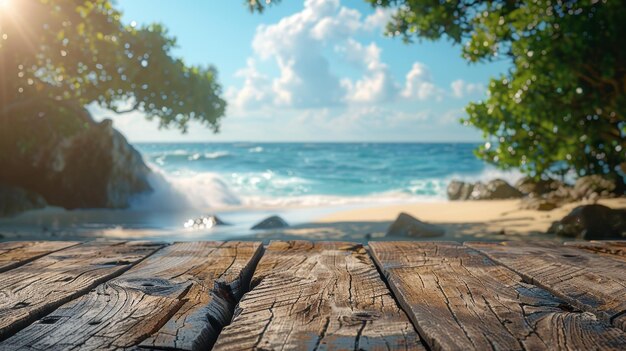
{"x":302,"y":295}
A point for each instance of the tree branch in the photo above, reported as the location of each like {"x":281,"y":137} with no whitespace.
{"x":134,"y":108}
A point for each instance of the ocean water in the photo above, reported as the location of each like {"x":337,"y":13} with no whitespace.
{"x":243,"y":183}
{"x":230,"y":175}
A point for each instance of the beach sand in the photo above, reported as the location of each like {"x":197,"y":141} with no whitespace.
{"x":492,"y":220}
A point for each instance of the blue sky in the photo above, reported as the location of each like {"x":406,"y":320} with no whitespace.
{"x":318,"y":70}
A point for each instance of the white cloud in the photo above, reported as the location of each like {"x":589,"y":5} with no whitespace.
{"x":344,"y":24}
{"x":297,"y":43}
{"x":255,"y":91}
{"x":419,"y":84}
{"x":377,"y":84}
{"x":379,"y":19}
{"x":307,"y":78}
{"x":461,"y":88}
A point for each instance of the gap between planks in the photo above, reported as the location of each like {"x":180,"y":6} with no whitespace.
{"x":178,"y":298}
{"x":165,"y":332}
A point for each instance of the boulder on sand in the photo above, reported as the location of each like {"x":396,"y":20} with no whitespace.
{"x":14,"y":200}
{"x":592,"y":222}
{"x":408,"y":226}
{"x":273,"y":222}
{"x":458,"y":190}
{"x":496,"y":189}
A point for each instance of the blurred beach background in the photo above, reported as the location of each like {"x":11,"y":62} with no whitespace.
{"x":325,"y":191}
{"x":143,"y":119}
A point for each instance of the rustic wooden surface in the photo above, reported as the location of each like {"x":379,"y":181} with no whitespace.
{"x":300,"y":295}
{"x":617,"y":248}
{"x":318,"y":295}
{"x":15,"y":254}
{"x":37,"y":288}
{"x":171,"y":297}
{"x":588,"y":281}
{"x":458,"y":298}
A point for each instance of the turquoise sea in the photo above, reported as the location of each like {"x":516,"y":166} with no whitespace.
{"x":244,"y":182}
{"x":274,"y":174}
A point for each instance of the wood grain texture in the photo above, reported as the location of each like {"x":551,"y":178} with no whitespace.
{"x":588,"y":281}
{"x":459,"y":299}
{"x":17,"y":253}
{"x":178,"y":298}
{"x":616,"y":248}
{"x":37,"y":288}
{"x":321,"y":295}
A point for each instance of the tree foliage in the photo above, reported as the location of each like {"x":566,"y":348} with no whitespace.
{"x":79,"y":51}
{"x":562,"y":104}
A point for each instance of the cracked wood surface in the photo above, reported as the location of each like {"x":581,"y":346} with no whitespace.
{"x":616,"y":248}
{"x":37,"y":288}
{"x":16,"y":253}
{"x":178,"y":298}
{"x":587,"y":280}
{"x":459,"y":299}
{"x":320,"y":295}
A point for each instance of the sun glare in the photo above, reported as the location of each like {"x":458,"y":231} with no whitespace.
{"x":6,"y":5}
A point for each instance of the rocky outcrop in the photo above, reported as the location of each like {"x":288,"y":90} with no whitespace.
{"x":540,"y":195}
{"x":59,"y":152}
{"x":458,"y":190}
{"x":592,"y":222}
{"x":273,"y":222}
{"x":496,"y":189}
{"x":594,"y":186}
{"x":532,"y":187}
{"x":408,"y":226}
{"x":14,"y":200}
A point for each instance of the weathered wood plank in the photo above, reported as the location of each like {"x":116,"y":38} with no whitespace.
{"x":459,"y":299}
{"x":318,"y":295}
{"x":616,"y":248}
{"x":37,"y":288}
{"x":588,"y":281}
{"x":16,"y":253}
{"x":178,"y":298}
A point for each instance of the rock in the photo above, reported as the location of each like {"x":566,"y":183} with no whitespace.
{"x":496,"y":189}
{"x":532,"y":187}
{"x":458,"y":190}
{"x":273,"y":222}
{"x":204,"y":222}
{"x":538,"y":204}
{"x":407,"y":225}
{"x":592,"y":222}
{"x":585,"y":187}
{"x":59,"y":152}
{"x":14,"y":200}
{"x":563,"y":193}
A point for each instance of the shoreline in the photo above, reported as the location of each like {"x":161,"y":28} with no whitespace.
{"x":486,"y":220}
